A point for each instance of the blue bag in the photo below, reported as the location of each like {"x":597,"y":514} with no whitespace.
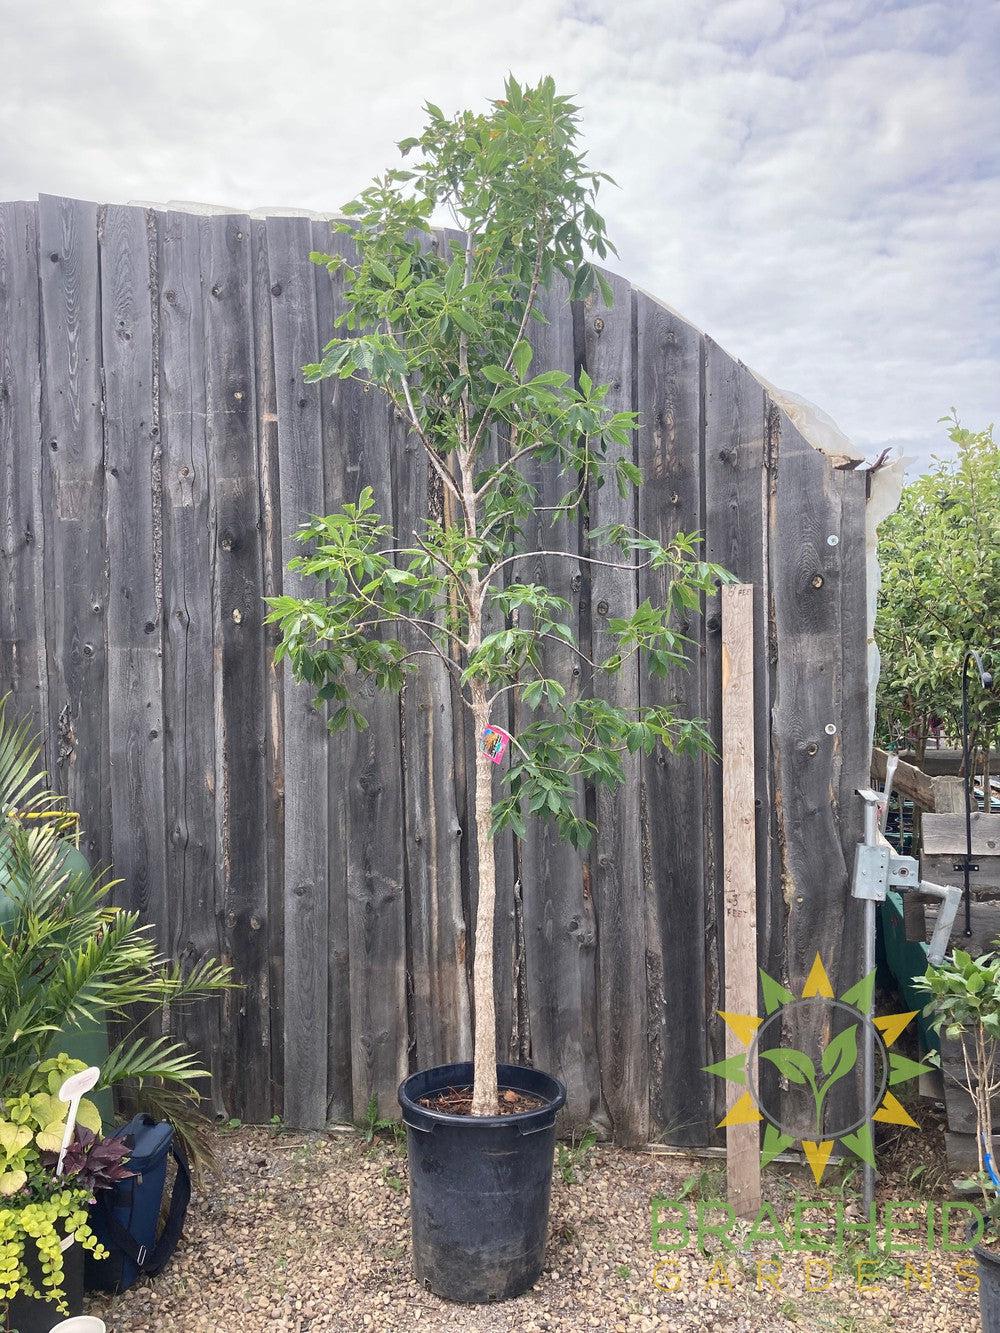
{"x":125,"y":1218}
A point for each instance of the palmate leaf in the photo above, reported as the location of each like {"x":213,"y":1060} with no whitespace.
{"x":68,"y":957}
{"x":154,"y":1058}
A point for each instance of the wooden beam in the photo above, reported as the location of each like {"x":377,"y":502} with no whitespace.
{"x":739,"y":874}
{"x":908,"y":780}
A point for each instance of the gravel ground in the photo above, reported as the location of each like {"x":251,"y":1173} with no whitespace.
{"x":308,"y":1233}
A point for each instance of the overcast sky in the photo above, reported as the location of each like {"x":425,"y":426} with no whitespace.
{"x":816,"y":184}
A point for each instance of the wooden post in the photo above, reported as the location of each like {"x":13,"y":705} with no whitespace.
{"x":739,"y":874}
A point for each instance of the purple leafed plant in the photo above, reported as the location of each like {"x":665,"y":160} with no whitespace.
{"x":92,"y":1163}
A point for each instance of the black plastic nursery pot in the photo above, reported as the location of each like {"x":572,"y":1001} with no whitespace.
{"x":28,"y":1315}
{"x":988,"y":1262}
{"x":479,"y":1186}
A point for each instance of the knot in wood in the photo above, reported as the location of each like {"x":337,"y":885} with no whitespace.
{"x":88,"y":650}
{"x":276,"y":289}
{"x":599,"y":324}
{"x":602,"y":607}
{"x":54,"y":256}
{"x":217,"y":289}
{"x":817,"y":580}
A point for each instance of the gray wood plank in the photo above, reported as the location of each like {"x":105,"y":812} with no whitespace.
{"x":945,"y":835}
{"x":372,"y":787}
{"x":73,"y":496}
{"x":22,"y":580}
{"x":560,"y":932}
{"x":808,"y":590}
{"x":237,"y":615}
{"x":616,"y":859}
{"x":441,"y":1030}
{"x":340,"y":1089}
{"x":270,"y":514}
{"x":673,"y":814}
{"x":135,"y":564}
{"x":189,"y":676}
{"x":739,"y":869}
{"x":301,"y":481}
{"x":735,"y":522}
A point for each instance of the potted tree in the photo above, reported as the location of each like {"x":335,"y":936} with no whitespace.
{"x":442,"y":329}
{"x":964,"y":1004}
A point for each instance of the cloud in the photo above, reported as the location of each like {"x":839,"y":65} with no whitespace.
{"x":816,"y":184}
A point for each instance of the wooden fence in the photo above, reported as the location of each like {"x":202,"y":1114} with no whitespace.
{"x":158,"y":449}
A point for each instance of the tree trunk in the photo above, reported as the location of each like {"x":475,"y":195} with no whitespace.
{"x":484,"y":1090}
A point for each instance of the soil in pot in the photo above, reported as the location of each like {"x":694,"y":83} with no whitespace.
{"x":479,"y":1185}
{"x":458,"y":1101}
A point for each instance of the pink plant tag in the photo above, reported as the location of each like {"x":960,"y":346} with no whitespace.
{"x":493,"y":742}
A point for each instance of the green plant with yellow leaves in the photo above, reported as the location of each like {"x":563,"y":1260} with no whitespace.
{"x":39,"y":1211}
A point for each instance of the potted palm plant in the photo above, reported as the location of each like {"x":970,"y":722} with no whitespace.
{"x":444,"y":332}
{"x":964,"y":1005}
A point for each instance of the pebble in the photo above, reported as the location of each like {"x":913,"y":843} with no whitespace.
{"x":305,"y":1233}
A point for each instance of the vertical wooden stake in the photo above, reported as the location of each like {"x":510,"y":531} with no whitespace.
{"x":739,"y":875}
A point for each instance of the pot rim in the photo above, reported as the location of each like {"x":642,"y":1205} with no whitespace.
{"x":518,"y":1118}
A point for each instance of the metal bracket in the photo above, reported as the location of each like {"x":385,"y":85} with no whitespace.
{"x":871,"y":872}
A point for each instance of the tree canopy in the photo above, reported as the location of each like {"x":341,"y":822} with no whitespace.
{"x":940,"y":595}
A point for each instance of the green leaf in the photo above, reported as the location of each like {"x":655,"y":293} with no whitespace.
{"x":522,"y":357}
{"x":791,"y":1064}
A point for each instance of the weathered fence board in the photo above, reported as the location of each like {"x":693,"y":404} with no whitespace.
{"x":623,"y":1052}
{"x":22,"y":595}
{"x":295,"y":334}
{"x":679,"y":891}
{"x":135,"y":571}
{"x":238,"y":659}
{"x":189,"y":679}
{"x":559,"y":928}
{"x":159,"y":451}
{"x":736,"y":485}
{"x":334,"y":399}
{"x":73,"y":499}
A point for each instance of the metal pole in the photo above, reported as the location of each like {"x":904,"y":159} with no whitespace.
{"x":871,"y":837}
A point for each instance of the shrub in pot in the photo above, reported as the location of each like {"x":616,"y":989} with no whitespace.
{"x":964,"y":1004}
{"x":44,"y":1227}
{"x":442,"y":330}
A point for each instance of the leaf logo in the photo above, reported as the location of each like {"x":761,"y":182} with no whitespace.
{"x":816,"y":1074}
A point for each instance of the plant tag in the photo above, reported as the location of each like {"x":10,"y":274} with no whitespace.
{"x":493,"y":742}
{"x":77,"y":1085}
